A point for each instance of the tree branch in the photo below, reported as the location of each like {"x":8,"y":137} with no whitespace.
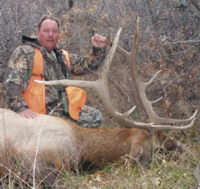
{"x":185,"y":42}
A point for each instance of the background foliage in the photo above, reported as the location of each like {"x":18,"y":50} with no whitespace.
{"x":169,"y":40}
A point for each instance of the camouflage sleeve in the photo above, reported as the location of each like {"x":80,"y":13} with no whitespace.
{"x":14,"y":84}
{"x":81,"y":65}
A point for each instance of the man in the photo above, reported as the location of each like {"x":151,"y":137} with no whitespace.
{"x":55,"y":65}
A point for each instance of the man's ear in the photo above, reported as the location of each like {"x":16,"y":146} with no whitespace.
{"x":37,"y":32}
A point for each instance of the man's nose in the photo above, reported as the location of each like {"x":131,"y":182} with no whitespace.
{"x":50,"y":33}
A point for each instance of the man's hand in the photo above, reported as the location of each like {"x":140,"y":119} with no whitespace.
{"x":98,"y":41}
{"x":28,"y":113}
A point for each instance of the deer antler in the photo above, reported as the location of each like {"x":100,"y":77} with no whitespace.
{"x":101,"y":86}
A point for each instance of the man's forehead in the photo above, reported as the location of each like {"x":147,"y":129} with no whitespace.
{"x":48,"y":23}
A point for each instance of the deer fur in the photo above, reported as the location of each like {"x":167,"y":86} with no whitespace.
{"x":63,"y":145}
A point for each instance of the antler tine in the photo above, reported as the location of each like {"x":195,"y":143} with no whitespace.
{"x":119,"y":49}
{"x":101,"y":86}
{"x":175,"y":128}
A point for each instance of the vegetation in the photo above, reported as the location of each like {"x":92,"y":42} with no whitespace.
{"x":169,"y":40}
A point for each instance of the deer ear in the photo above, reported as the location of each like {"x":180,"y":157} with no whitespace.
{"x":136,"y":150}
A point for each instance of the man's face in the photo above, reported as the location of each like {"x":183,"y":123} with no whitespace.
{"x":48,"y":34}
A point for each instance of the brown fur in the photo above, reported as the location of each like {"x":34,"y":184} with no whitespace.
{"x":65,"y":145}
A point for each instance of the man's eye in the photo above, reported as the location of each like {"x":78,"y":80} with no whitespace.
{"x":46,"y":31}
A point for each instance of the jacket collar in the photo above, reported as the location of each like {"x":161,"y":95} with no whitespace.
{"x":34,"y":42}
{"x":26,"y":39}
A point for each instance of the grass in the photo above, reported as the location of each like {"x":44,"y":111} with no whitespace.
{"x":168,"y":175}
{"x":164,"y":173}
{"x":167,"y":171}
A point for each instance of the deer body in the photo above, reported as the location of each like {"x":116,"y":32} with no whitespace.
{"x":50,"y":135}
{"x":65,"y":144}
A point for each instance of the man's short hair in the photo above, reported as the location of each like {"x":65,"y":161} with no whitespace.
{"x":48,"y":17}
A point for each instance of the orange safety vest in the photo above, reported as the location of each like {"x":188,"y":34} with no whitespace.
{"x":35,"y":93}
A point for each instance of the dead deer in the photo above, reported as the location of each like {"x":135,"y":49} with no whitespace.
{"x":51,"y":142}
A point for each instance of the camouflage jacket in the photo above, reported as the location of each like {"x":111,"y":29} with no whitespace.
{"x":20,"y":65}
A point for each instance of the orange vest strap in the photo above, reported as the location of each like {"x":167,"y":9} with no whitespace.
{"x":67,"y":58}
{"x":35,"y":93}
{"x":77,"y":98}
